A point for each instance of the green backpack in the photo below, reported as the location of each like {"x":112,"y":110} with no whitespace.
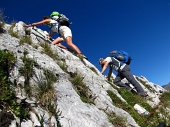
{"x":60,"y":18}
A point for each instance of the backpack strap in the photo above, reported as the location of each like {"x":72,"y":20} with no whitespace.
{"x":51,"y":25}
{"x":116,"y":64}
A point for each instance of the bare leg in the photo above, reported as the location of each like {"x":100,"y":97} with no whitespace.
{"x":58,"y":41}
{"x":73,"y":46}
{"x":61,"y":46}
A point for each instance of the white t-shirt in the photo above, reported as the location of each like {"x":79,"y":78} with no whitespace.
{"x":108,"y":59}
{"x":54,"y":26}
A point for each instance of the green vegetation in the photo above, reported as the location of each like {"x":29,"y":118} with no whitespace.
{"x":81,"y":59}
{"x":2,"y":24}
{"x":82,"y":90}
{"x":48,"y":51}
{"x":45,"y":91}
{"x":27,"y":71}
{"x":2,"y":17}
{"x":116,"y":120}
{"x":11,"y":32}
{"x":94,"y":70}
{"x":46,"y":94}
{"x":7,"y":96}
{"x":25,"y":39}
{"x":164,"y":104}
{"x":153,"y":118}
{"x":7,"y":59}
{"x":35,"y":46}
{"x":146,"y":85}
{"x":62,"y":65}
{"x":128,"y":107}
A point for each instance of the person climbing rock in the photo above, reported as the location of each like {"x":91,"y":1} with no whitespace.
{"x":121,"y":65}
{"x":64,"y":32}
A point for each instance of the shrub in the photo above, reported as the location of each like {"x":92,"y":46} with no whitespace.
{"x":7,"y":60}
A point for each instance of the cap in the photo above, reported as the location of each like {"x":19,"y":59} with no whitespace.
{"x":54,"y":13}
{"x":100,"y":60}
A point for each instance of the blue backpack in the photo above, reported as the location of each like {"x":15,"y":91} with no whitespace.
{"x":122,"y":56}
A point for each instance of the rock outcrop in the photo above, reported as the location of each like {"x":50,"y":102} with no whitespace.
{"x":65,"y":66}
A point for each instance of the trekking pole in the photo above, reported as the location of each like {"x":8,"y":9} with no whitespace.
{"x":38,"y":31}
{"x":49,"y":39}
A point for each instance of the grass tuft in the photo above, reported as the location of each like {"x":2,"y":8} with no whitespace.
{"x":48,"y":51}
{"x":11,"y":32}
{"x":82,"y":90}
{"x":25,"y":39}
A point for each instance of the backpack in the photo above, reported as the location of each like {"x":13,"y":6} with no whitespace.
{"x":122,"y":56}
{"x":60,"y":18}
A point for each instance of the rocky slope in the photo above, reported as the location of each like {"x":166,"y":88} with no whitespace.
{"x":73,"y":110}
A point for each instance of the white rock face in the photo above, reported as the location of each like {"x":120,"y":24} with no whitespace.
{"x":141,"y":110}
{"x":74,"y":112}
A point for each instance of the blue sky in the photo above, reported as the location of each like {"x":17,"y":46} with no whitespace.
{"x":140,"y":27}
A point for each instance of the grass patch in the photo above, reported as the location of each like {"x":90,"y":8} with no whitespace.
{"x":27,"y":71}
{"x":48,"y":51}
{"x":7,"y":60}
{"x":94,"y":70}
{"x":35,"y":46}
{"x":128,"y":108}
{"x":132,"y":99}
{"x":151,"y":120}
{"x":25,"y":39}
{"x":165,"y":99}
{"x":45,"y":90}
{"x":7,"y":96}
{"x":164,"y":106}
{"x":62,"y":65}
{"x":116,"y":120}
{"x":46,"y":95}
{"x":146,"y":85}
{"x":11,"y":32}
{"x":82,"y":90}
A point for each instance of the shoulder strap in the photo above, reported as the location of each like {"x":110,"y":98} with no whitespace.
{"x":115,"y":64}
